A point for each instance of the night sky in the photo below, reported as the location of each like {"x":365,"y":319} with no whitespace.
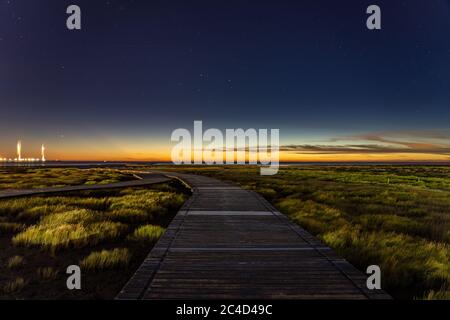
{"x":140,"y":69}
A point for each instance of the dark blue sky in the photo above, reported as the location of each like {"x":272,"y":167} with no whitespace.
{"x":139,"y":69}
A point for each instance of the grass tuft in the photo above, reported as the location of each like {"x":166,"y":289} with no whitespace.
{"x":147,"y":233}
{"x":15,"y":262}
{"x":62,"y":236}
{"x":46,"y":274}
{"x":442,"y":294}
{"x":15,"y":285}
{"x":106,"y":259}
{"x":129,"y":215}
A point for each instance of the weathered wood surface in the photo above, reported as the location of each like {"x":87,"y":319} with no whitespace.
{"x":147,"y":179}
{"x":230,"y":243}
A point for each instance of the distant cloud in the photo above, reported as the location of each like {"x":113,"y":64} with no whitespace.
{"x":424,"y":142}
{"x":437,"y":134}
{"x":361,"y":148}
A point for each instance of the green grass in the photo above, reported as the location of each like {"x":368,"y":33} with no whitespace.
{"x":397,"y":217}
{"x":106,"y":259}
{"x":25,"y":178}
{"x":147,"y":233}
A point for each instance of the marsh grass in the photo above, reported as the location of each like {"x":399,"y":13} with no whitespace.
{"x":147,"y":233}
{"x":25,"y":178}
{"x":10,"y":227}
{"x":75,"y":222}
{"x":46,"y":274}
{"x":129,"y":215}
{"x":35,"y":207}
{"x":442,"y":294}
{"x":59,"y":236}
{"x":14,"y":286}
{"x":154,"y":204}
{"x":15,"y":262}
{"x":106,"y":259}
{"x":405,"y":261}
{"x":67,"y":227}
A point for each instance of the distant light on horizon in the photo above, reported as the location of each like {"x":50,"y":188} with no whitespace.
{"x":19,"y":155}
{"x":19,"y":150}
{"x":43,"y":153}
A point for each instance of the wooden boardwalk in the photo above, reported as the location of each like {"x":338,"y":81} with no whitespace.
{"x":229,"y":243}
